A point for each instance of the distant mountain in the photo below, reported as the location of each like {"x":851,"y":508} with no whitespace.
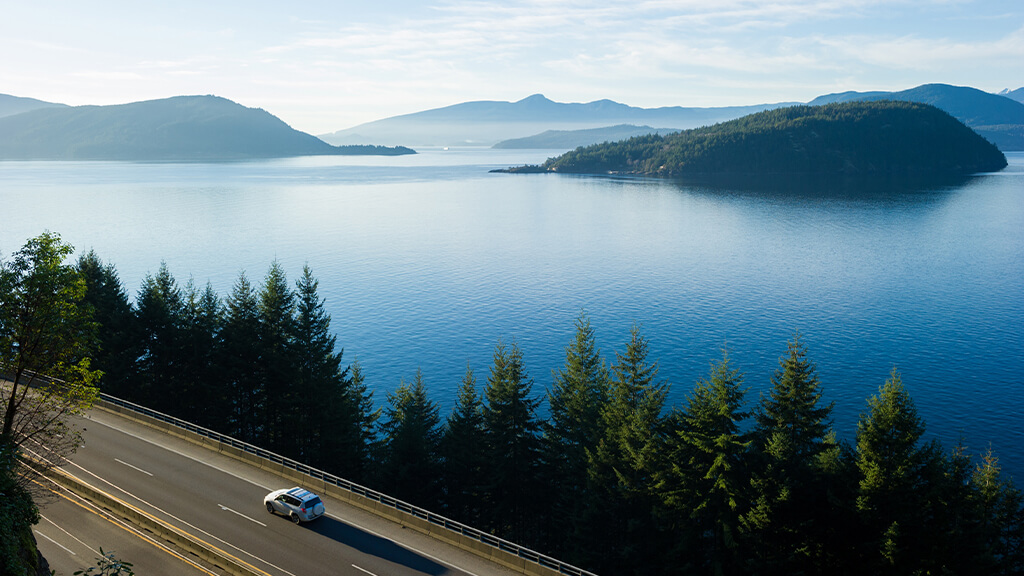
{"x":11,"y":105}
{"x":182,"y":128}
{"x":1017,"y":94}
{"x":850,"y":138}
{"x":998,"y":118}
{"x":485,"y":123}
{"x":569,"y":139}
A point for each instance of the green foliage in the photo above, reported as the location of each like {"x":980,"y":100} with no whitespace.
{"x":410,"y":464}
{"x":898,"y":138}
{"x":17,"y":515}
{"x":463,"y":452}
{"x":119,"y":339}
{"x":621,"y":498}
{"x":46,"y":328}
{"x":703,"y":480}
{"x":513,"y":446}
{"x":108,"y":564}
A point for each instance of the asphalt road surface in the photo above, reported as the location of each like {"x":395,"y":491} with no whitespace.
{"x":220,"y":500}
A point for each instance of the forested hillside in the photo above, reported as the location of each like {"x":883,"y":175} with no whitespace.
{"x":870,"y":138}
{"x":597,"y":471}
{"x":183,"y":128}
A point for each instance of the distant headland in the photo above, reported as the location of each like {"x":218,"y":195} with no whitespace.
{"x":851,"y":138}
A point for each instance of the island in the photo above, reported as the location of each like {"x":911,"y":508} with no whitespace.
{"x":850,"y":138}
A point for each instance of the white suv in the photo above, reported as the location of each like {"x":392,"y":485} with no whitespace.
{"x":296,"y":503}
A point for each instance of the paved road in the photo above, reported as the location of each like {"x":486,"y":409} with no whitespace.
{"x":220,"y":500}
{"x":72,"y":531}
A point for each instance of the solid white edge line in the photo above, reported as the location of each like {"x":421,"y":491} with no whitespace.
{"x":254,"y":483}
{"x":363,"y":570}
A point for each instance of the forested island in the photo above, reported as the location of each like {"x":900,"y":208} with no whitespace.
{"x":598,"y":471}
{"x":850,"y":139}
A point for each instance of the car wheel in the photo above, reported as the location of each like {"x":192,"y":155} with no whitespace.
{"x":295,"y":518}
{"x":270,"y":507}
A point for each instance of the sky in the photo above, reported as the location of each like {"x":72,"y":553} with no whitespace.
{"x":328,"y":65}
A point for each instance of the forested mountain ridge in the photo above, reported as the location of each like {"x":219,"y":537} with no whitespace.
{"x":11,"y":105}
{"x":997,"y":117}
{"x":853,"y":138}
{"x":189,"y":128}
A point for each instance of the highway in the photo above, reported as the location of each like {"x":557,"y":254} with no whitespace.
{"x":220,"y":500}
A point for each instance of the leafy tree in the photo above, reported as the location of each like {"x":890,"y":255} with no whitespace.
{"x":45,"y":330}
{"x":621,"y":469}
{"x":18,"y":556}
{"x":240,"y":360}
{"x":513,"y":446}
{"x":410,"y":465}
{"x":463,"y":454}
{"x":118,"y":334}
{"x":790,"y":437}
{"x":572,"y":431}
{"x":704,"y":479}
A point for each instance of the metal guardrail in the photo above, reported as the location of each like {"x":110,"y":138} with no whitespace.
{"x":421,"y":513}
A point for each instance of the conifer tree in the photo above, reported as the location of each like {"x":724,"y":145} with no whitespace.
{"x":703,"y":482}
{"x":282,"y":402}
{"x":359,"y":447}
{"x":240,"y":360}
{"x":1000,"y":508}
{"x":513,"y":446}
{"x":411,"y":435}
{"x":572,"y":431}
{"x":462,"y":454}
{"x":203,"y":399}
{"x":161,"y":320}
{"x":621,"y":470}
{"x":791,"y":436}
{"x":118,"y":331}
{"x":328,"y":422}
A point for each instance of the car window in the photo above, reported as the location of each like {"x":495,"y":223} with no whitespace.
{"x":312,"y":502}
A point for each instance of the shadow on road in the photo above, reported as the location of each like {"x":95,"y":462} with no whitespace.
{"x":375,"y":545}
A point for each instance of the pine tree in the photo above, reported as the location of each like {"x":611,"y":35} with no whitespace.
{"x":892,"y":479}
{"x":282,"y":402}
{"x":359,"y":447}
{"x":463,"y":454}
{"x":240,"y":363}
{"x":161,"y":320}
{"x":704,"y":480}
{"x":203,"y":399}
{"x":411,"y":434}
{"x":1000,"y":508}
{"x":513,"y":447}
{"x":328,"y":423}
{"x":118,"y":331}
{"x":620,"y":504}
{"x":572,"y":431}
{"x":783,"y":527}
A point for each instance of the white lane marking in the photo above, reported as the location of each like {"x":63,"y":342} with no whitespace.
{"x":223,"y":507}
{"x":55,"y":542}
{"x":70,"y":535}
{"x":172,"y":516}
{"x":364,"y":570}
{"x":118,"y":460}
{"x":254,"y":483}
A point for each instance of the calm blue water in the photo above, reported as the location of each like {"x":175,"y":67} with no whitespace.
{"x":428,"y":261}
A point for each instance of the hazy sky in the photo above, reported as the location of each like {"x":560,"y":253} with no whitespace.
{"x":326,"y":65}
